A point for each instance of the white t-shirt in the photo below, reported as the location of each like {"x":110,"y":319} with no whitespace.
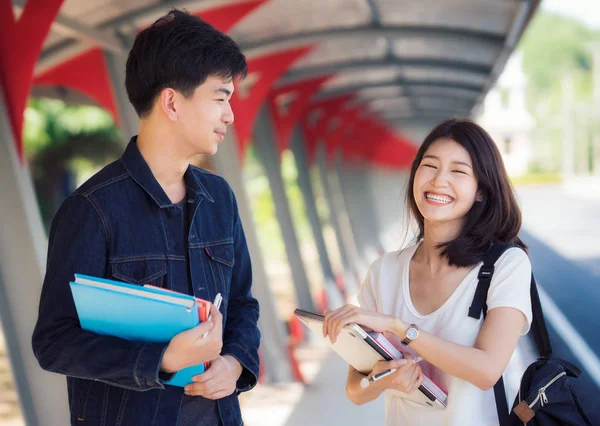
{"x":386,"y":290}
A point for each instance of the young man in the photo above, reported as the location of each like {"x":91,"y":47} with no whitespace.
{"x":152,"y":218}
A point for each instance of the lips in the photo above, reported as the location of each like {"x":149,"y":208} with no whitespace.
{"x":442,"y":199}
{"x":221,"y":134}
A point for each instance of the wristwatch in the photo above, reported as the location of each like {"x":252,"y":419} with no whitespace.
{"x":411,"y":334}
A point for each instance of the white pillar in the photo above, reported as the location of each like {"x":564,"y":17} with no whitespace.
{"x":227,"y":163}
{"x":23,"y":245}
{"x":359,"y":202}
{"x":338,"y":213}
{"x":269,"y":157}
{"x":115,"y":65}
{"x":297,"y":145}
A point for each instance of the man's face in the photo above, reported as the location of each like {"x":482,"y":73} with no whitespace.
{"x":204,"y":117}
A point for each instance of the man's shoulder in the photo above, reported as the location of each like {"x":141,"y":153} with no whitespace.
{"x":109,"y":175}
{"x":214,"y":183}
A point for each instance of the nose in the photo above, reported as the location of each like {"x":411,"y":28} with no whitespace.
{"x":440,"y":179}
{"x":228,"y":116}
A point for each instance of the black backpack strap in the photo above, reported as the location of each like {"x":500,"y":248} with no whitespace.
{"x":541,"y":337}
{"x":479,"y":306}
{"x":538,"y":325}
{"x":539,"y":329}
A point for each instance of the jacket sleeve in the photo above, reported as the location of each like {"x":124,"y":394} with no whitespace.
{"x":78,"y":243}
{"x":241,"y":336}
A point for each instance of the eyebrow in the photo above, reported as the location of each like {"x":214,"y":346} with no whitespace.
{"x":227,"y":92}
{"x":462,"y":163}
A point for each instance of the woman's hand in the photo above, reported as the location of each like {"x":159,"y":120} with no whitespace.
{"x":407,"y":378}
{"x":409,"y":375}
{"x":336,"y":320}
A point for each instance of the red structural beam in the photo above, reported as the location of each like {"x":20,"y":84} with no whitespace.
{"x":226,"y":16}
{"x":316,"y":121}
{"x":287,"y":104}
{"x":87,"y":73}
{"x":343,"y":132}
{"x":20,"y":44}
{"x":263,"y":72}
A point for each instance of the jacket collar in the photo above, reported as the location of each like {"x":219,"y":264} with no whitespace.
{"x":140,"y":172}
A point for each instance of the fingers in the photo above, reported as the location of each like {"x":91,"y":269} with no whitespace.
{"x":404,"y":376}
{"x":212,"y":372}
{"x":336,"y":320}
{"x":417,"y":382}
{"x":216,"y":314}
{"x":208,"y":390}
{"x":217,"y":318}
{"x":203,"y":327}
{"x":219,"y":394}
{"x":388,"y":365}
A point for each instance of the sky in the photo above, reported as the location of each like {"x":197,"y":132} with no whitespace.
{"x":586,"y":11}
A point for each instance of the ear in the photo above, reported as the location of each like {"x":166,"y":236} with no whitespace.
{"x":167,"y":103}
{"x":479,"y":197}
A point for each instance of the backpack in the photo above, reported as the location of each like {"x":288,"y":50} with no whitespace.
{"x":546,"y":396}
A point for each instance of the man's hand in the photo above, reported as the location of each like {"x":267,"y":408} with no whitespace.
{"x":190,"y":347}
{"x":218,"y":381}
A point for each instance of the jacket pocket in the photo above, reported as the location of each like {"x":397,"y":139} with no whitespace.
{"x":221,"y":260}
{"x":139,"y":272}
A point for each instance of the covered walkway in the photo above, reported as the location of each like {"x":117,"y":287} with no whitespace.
{"x":350,"y":87}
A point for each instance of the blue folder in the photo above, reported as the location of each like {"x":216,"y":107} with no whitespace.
{"x":136,"y":317}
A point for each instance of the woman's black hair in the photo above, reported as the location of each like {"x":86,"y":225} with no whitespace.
{"x":179,"y":51}
{"x":496,"y":218}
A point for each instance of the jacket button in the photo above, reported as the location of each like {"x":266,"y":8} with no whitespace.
{"x":149,"y":382}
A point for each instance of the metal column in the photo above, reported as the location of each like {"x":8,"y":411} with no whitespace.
{"x":23,"y":244}
{"x":339,"y":217}
{"x":273,"y":347}
{"x":269,"y":158}
{"x":115,"y":64}
{"x":334,"y":298}
{"x":355,"y":189}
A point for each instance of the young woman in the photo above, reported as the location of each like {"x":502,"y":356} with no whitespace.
{"x":460,"y":196}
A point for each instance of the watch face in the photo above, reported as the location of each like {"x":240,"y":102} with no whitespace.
{"x":411,"y":333}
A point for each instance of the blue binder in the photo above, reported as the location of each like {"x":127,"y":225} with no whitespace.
{"x":132,"y":312}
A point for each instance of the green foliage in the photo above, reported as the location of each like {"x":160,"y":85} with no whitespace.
{"x":61,"y":143}
{"x":553,"y":45}
{"x":555,"y":48}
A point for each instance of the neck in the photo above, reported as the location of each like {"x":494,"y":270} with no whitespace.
{"x":428,"y":251}
{"x":164,"y":156}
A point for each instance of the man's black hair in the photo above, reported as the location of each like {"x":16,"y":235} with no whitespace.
{"x":179,"y":51}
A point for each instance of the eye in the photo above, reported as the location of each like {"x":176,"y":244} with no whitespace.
{"x":459,"y":171}
{"x":429,"y":165}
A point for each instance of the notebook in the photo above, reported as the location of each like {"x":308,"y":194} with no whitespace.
{"x":144,"y":314}
{"x":362,"y":349}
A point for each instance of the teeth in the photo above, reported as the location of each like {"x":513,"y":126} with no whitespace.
{"x":438,"y":198}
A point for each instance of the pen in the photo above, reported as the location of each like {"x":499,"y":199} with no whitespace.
{"x":217,"y":304}
{"x":364,"y":382}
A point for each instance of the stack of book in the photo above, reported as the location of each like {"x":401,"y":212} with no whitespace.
{"x":144,"y":314}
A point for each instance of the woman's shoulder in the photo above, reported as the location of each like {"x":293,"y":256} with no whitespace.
{"x":394,"y":258}
{"x":514,"y":257}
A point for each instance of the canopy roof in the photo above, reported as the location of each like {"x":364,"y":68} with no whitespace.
{"x":406,"y":59}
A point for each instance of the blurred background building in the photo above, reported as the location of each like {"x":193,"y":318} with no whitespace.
{"x":507,"y":118}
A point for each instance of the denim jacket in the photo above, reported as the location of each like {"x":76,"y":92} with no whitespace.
{"x":113,"y":227}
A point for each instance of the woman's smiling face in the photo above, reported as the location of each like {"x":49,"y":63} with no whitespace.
{"x":445,"y":186}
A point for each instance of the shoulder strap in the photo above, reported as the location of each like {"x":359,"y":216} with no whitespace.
{"x":538,"y":326}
